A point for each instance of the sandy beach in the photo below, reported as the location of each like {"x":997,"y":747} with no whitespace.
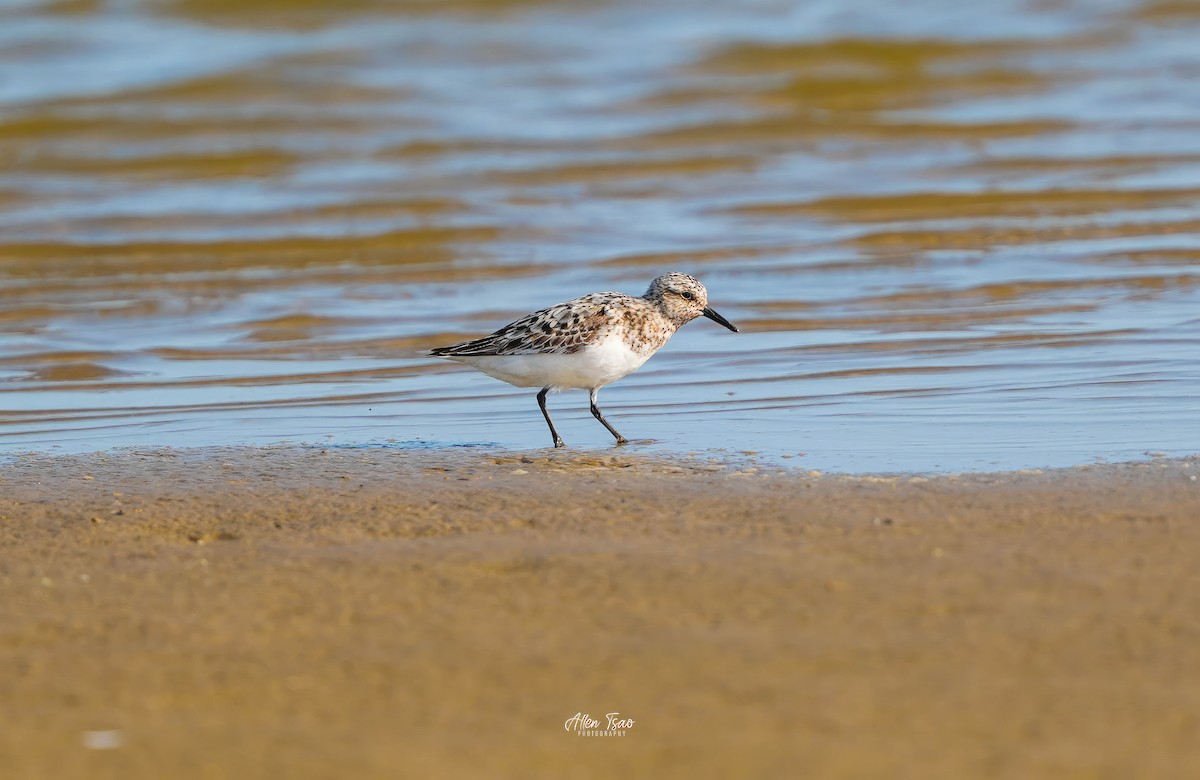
{"x":372,"y":613}
{"x":952,"y":237}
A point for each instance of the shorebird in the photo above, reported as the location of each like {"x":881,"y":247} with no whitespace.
{"x":588,"y":342}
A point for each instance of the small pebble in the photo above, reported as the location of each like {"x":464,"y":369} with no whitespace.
{"x":103,"y":740}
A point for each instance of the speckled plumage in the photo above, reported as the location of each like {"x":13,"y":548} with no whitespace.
{"x":569,"y":327}
{"x":587,"y":342}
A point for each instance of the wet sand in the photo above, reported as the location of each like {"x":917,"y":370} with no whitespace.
{"x":373,"y":613}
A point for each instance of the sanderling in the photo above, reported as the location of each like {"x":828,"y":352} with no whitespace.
{"x":588,"y":342}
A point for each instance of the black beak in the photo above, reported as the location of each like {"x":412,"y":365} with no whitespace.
{"x":717,"y":318}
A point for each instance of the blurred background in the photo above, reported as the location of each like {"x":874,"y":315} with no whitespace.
{"x":955,"y":235}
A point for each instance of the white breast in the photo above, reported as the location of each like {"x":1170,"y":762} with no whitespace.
{"x":594,"y":366}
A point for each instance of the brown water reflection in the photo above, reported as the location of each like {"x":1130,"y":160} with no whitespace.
{"x":954,"y":236}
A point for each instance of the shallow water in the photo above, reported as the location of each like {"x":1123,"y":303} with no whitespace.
{"x":955,"y":236}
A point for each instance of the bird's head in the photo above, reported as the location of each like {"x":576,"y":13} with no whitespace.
{"x":681,"y":298}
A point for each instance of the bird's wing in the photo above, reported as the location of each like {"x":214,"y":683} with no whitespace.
{"x":560,"y":329}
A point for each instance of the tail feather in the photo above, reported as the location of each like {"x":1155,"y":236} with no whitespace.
{"x":488,"y":345}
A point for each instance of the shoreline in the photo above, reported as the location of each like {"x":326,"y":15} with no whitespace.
{"x":250,"y":612}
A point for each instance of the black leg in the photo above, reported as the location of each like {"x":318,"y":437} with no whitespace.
{"x":542,"y":403}
{"x":600,"y":416}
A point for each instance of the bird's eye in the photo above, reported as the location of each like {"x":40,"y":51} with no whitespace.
{"x":687,"y":296}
